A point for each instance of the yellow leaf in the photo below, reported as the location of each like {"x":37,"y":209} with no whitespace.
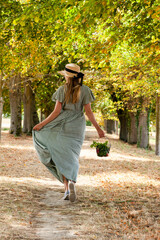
{"x":84,"y":20}
{"x":22,"y":24}
{"x":36,"y":19}
{"x":78,"y":16}
{"x":14,"y":22}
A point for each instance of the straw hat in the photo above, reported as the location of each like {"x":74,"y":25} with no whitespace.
{"x":71,"y":70}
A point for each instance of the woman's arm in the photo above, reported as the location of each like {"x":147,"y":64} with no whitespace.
{"x":52,"y":116}
{"x":91,"y":117}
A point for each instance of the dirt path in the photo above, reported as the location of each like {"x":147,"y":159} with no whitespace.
{"x":118,"y":196}
{"x":55,"y":222}
{"x":52,"y":223}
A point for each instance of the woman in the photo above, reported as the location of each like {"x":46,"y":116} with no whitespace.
{"x":58,"y":139}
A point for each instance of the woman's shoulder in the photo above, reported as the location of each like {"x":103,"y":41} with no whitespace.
{"x":61,"y":88}
{"x":87,"y":94}
{"x":85,"y":87}
{"x":59,"y":94}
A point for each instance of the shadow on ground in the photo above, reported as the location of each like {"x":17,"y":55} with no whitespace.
{"x":118,"y":196}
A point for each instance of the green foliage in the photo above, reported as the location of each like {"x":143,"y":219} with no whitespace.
{"x":88,"y":123}
{"x":44,"y":90}
{"x":96,"y":144}
{"x":101,"y":148}
{"x":117,"y":41}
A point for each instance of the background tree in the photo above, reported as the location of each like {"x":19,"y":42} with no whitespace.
{"x":117,"y":40}
{"x":158,"y":125}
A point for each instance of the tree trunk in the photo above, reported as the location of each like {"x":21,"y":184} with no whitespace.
{"x":1,"y":105}
{"x":15,"y":105}
{"x":41,"y":115}
{"x":143,"y":130}
{"x":123,"y":118}
{"x":30,"y":113}
{"x":111,"y":126}
{"x":132,"y":129}
{"x":34,"y":111}
{"x":158,"y":126}
{"x":1,"y":112}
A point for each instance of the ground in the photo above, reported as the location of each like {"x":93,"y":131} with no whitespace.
{"x":117,"y":196}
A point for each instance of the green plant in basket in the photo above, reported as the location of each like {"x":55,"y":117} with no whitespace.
{"x":102,"y":149}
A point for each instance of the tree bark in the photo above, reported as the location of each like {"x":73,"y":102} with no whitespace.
{"x":1,"y":105}
{"x":123,"y":118}
{"x":30,"y":113}
{"x":1,"y":112}
{"x":143,"y":130}
{"x":132,"y":128}
{"x":41,"y":116}
{"x":15,"y":105}
{"x":158,"y":126}
{"x":111,"y":126}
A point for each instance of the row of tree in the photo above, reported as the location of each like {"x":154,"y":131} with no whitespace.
{"x":116,"y":43}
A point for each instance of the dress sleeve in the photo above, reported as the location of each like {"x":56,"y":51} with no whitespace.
{"x":88,"y":96}
{"x":58,"y":95}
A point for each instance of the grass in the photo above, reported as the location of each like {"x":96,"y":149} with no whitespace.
{"x":5,"y":129}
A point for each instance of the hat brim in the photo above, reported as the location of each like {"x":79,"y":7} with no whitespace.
{"x":67,"y":74}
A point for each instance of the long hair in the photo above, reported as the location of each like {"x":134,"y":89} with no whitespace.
{"x":72,"y":90}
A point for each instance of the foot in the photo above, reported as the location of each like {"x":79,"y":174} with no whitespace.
{"x":72,"y":195}
{"x":66,"y":195}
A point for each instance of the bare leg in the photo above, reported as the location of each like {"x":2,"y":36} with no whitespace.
{"x":66,"y":188}
{"x":65,"y":181}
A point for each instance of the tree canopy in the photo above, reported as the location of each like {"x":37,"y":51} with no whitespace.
{"x":116,"y":42}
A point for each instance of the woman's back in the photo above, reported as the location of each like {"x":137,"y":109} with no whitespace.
{"x":86,"y":96}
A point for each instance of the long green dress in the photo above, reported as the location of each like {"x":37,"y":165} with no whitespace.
{"x":59,"y":143}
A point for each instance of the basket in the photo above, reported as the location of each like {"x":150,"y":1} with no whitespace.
{"x":102,"y":148}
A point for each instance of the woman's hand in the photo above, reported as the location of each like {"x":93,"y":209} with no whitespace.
{"x":38,"y":127}
{"x":101,"y":133}
{"x":51,"y":117}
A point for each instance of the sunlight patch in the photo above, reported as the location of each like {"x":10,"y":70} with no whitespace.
{"x":27,"y":180}
{"x":113,"y":156}
{"x":17,"y":147}
{"x":126,"y":178}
